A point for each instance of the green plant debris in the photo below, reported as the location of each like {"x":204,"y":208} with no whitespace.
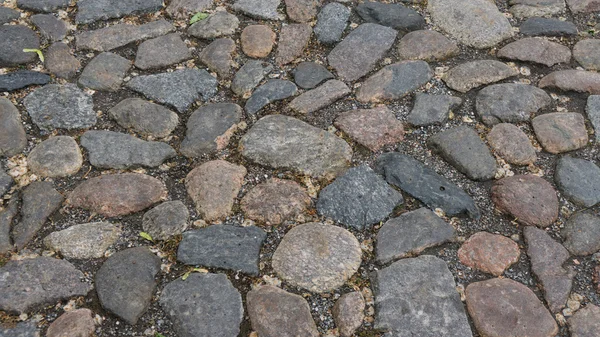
{"x":146,"y":236}
{"x":198,"y":17}
{"x":39,"y":52}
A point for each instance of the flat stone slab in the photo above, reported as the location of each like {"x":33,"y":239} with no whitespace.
{"x":59,"y":61}
{"x":22,"y":79}
{"x":218,"y":56}
{"x":57,"y":156}
{"x":275,"y":201}
{"x":13,"y":39}
{"x":536,"y":50}
{"x":93,"y":10}
{"x":531,"y":8}
{"x":320,"y":97}
{"x":512,"y":144}
{"x":422,"y":183}
{"x":285,"y":142}
{"x":410,"y":234}
{"x":395,"y":81}
{"x":22,"y":329}
{"x":216,"y":25}
{"x":490,"y":253}
{"x":8,"y":14}
{"x":50,"y":27}
{"x":593,"y":112}
{"x":249,"y":77}
{"x":317,"y":257}
{"x":585,"y":322}
{"x":548,"y":27}
{"x":560,"y":132}
{"x":293,"y":40}
{"x":301,"y":10}
{"x":28,"y":284}
{"x":310,"y":74}
{"x":582,"y":234}
{"x":105,"y":72}
{"x":418,"y":297}
{"x":510,"y":103}
{"x":79,"y":322}
{"x":473,"y":74}
{"x":396,"y":16}
{"x":426,"y":45}
{"x":166,"y":220}
{"x":272,"y":91}
{"x":432,"y":109}
{"x":162,"y":52}
{"x":579,"y":180}
{"x":122,"y":34}
{"x":572,"y":80}
{"x":215,"y":311}
{"x":44,"y":6}
{"x":12,"y":134}
{"x":84,"y":241}
{"x":223,"y":246}
{"x":585,"y":53}
{"x":259,"y":9}
{"x":331,"y":22}
{"x":372,"y":128}
{"x":146,"y":118}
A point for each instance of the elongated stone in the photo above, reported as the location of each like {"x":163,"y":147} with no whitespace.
{"x":122,"y":34}
{"x":93,"y":10}
{"x":395,"y":81}
{"x":321,"y":97}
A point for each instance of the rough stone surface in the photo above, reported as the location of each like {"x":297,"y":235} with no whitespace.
{"x":301,"y":10}
{"x":249,"y":76}
{"x":215,"y":25}
{"x":490,"y":253}
{"x":6,"y":182}
{"x":12,"y":134}
{"x":348,"y":313}
{"x":76,"y":323}
{"x":395,"y":81}
{"x":510,"y":103}
{"x":560,"y":132}
{"x":572,"y":80}
{"x":58,"y":156}
{"x":515,"y":312}
{"x":548,"y":27}
{"x":105,"y":72}
{"x":7,"y":214}
{"x":320,"y":97}
{"x":396,"y":16}
{"x":293,"y":39}
{"x":310,"y":74}
{"x":22,"y":79}
{"x":162,"y":52}
{"x":317,"y":257}
{"x":579,"y":180}
{"x":426,"y":45}
{"x":583,"y":6}
{"x":331,"y":23}
{"x":585,"y":322}
{"x":259,"y":9}
{"x":537,"y":50}
{"x":593,"y":112}
{"x":182,"y":9}
{"x":418,"y":297}
{"x":223,"y":246}
{"x":272,"y":91}
{"x":22,"y":329}
{"x":372,"y":128}
{"x":531,"y":8}
{"x":257,"y":40}
{"x":582,"y":234}
{"x":60,"y":61}
{"x":44,"y":6}
{"x":93,"y":10}
{"x":122,"y":34}
{"x":410,"y":234}
{"x":512,"y":144}
{"x":8,"y":14}
{"x":85,"y":241}
{"x":473,"y":74}
{"x":432,"y":109}
{"x":125,"y":283}
{"x":586,"y":53}
{"x":218,"y":56}
{"x":144,"y":117}
{"x":275,"y":201}
{"x":166,"y":220}
{"x":49,"y":26}
{"x":13,"y":39}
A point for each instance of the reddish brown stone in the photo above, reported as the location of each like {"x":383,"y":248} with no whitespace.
{"x":585,"y":322}
{"x":301,"y":10}
{"x":583,"y":6}
{"x":538,"y":50}
{"x":512,"y":144}
{"x":275,"y":201}
{"x":560,"y":132}
{"x":490,"y":253}
{"x":531,"y":200}
{"x":373,"y":128}
{"x":293,"y":39}
{"x":426,"y":45}
{"x":77,"y":323}
{"x":118,"y":194}
{"x":257,"y":40}
{"x":573,"y":80}
{"x":348,"y":313}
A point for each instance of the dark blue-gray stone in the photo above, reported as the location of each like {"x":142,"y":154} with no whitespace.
{"x":396,"y":16}
{"x":432,"y":109}
{"x":7,"y":215}
{"x":44,"y":6}
{"x":273,"y":90}
{"x":13,"y":39}
{"x":310,"y":74}
{"x":582,"y":234}
{"x":94,"y":10}
{"x":8,"y":14}
{"x":249,"y":76}
{"x":5,"y":182}
{"x":51,"y":28}
{"x":548,"y":27}
{"x":579,"y":180}
{"x":593,"y":111}
{"x":22,"y":79}
{"x":23,"y":329}
{"x":331,"y":23}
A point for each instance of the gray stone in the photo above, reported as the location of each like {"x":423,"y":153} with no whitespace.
{"x":259,"y":9}
{"x":166,"y":220}
{"x":43,"y":5}
{"x":593,"y":112}
{"x":93,"y":10}
{"x":320,"y":97}
{"x":432,"y":109}
{"x":182,"y":9}
{"x":122,"y":34}
{"x":293,"y":40}
{"x":310,"y":74}
{"x":473,"y":74}
{"x":585,"y":322}
{"x":51,"y":28}
{"x":147,"y":118}
{"x":162,"y":52}
{"x":579,"y":180}
{"x":360,"y":50}
{"x":22,"y":79}
{"x":395,"y":81}
{"x":13,"y":39}
{"x":7,"y":214}
{"x":426,"y":45}
{"x":8,"y":14}
{"x":418,"y":297}
{"x":512,"y":144}
{"x":421,"y":182}
{"x":23,"y":329}
{"x":57,"y":156}
{"x":582,"y":234}
{"x":372,"y":128}
{"x":272,"y":91}
{"x":108,"y":149}
{"x":210,"y":128}
{"x":40,"y":200}
{"x":56,"y":106}
{"x":348,"y":313}
{"x":77,"y":323}
{"x":583,"y":6}
{"x":6,"y":182}
{"x":547,"y":259}
{"x":537,"y":50}
{"x":397,"y":16}
{"x":12,"y":134}
{"x":249,"y":76}
{"x":463,"y":149}
{"x":358,"y":198}
{"x":548,"y":27}
{"x":586,"y":53}
{"x":214,"y":310}
{"x":331,"y":23}
{"x":105,"y":72}
{"x":28,"y":284}
{"x":560,"y":132}
{"x":510,"y":103}
{"x":59,"y":61}
{"x":410,"y":234}
{"x":84,"y":241}
{"x":191,"y":84}
{"x":530,"y":8}
{"x":218,"y":56}
{"x":125,"y":283}
{"x":223,"y":246}
{"x":215,"y":25}
{"x":284,"y":142}
{"x":317,"y":257}
{"x":572,"y":80}
{"x":275,"y":201}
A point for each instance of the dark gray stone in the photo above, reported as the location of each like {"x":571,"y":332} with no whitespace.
{"x":28,"y":284}
{"x":218,"y":56}
{"x":125,"y":283}
{"x":463,"y":149}
{"x":60,"y":61}
{"x":249,"y":76}
{"x":8,"y":14}
{"x":582,"y":234}
{"x":410,"y":233}
{"x":418,"y":297}
{"x":223,"y":246}
{"x":432,"y":109}
{"x":6,"y":182}
{"x":122,"y":34}
{"x":12,"y":134}
{"x":44,"y":6}
{"x":190,"y":84}
{"x":548,"y":27}
{"x":23,"y":329}
{"x":108,"y":149}
{"x":93,"y":10}
{"x":215,"y":25}
{"x":22,"y":79}
{"x":209,"y":129}
{"x":396,"y":16}
{"x":331,"y":23}
{"x":510,"y":103}
{"x":147,"y":118}
{"x":593,"y":111}
{"x":105,"y":72}
{"x":272,"y":91}
{"x":161,"y":52}
{"x":421,"y":182}
{"x":395,"y":81}
{"x":51,"y":28}
{"x":579,"y":180}
{"x":310,"y":74}
{"x":215,"y":308}
{"x":166,"y":220}
{"x":358,"y":198}
{"x":426,"y":45}
{"x":259,"y":9}
{"x":7,"y":215}
{"x":13,"y":39}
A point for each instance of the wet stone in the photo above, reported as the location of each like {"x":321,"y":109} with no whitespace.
{"x":125,"y":283}
{"x":218,"y":56}
{"x":275,"y":201}
{"x":93,"y":10}
{"x":358,"y":198}
{"x":215,"y":25}
{"x":510,"y":103}
{"x":473,"y":74}
{"x":44,"y":6}
{"x":22,"y":79}
{"x":582,"y":234}
{"x":593,"y":112}
{"x":51,"y":28}
{"x":284,"y":142}
{"x":547,"y":259}
{"x":548,"y":27}
{"x":109,"y":149}
{"x":301,"y":10}
{"x":166,"y":220}
{"x":162,"y":52}
{"x":22,"y":329}
{"x":191,"y":84}
{"x":583,"y":6}
{"x":572,"y":80}
{"x":512,"y":144}
{"x":215,"y":310}
{"x":372,"y":128}
{"x":426,"y":45}
{"x":516,"y":312}
{"x":396,"y":16}
{"x":586,"y":53}
{"x":560,"y":132}
{"x":320,"y":97}
{"x":490,"y":253}
{"x":214,"y":186}
{"x":421,"y":182}
{"x":223,"y":246}
{"x":105,"y":72}
{"x":28,"y":284}
{"x":182,"y":9}
{"x":13,"y":39}
{"x":59,"y":61}
{"x":293,"y":39}
{"x":114,"y":195}
{"x":331,"y":23}
{"x":432,"y":109}
{"x":7,"y":214}
{"x":78,"y":323}
{"x":530,"y":8}
{"x":395,"y":81}
{"x":537,"y":50}
{"x":122,"y":34}
{"x":8,"y":14}
{"x":147,"y":118}
{"x":12,"y":134}
{"x":259,"y":9}
{"x":257,"y":40}
{"x":418,"y":297}
{"x":360,"y":50}
{"x":272,"y":91}
{"x":348,"y":313}
{"x":249,"y":76}
{"x":310,"y":74}
{"x":585,"y":322}
{"x":84,"y":241}
{"x":317,"y":257}
{"x":579,"y":180}
{"x":210,"y":128}
{"x":410,"y":234}
{"x":57,"y":156}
